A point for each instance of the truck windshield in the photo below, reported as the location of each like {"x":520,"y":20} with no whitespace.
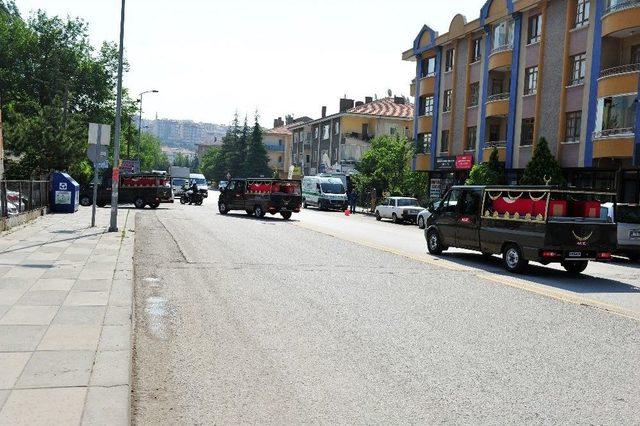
{"x":406,"y":202}
{"x":179,"y":182}
{"x":332,"y":188}
{"x":199,"y":181}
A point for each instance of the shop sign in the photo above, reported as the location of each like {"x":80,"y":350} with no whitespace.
{"x":435,"y":189}
{"x":445,"y":163}
{"x":464,"y":162}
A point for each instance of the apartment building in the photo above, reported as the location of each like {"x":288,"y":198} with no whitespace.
{"x":335,"y":143}
{"x":278,"y":142}
{"x":565,"y":70}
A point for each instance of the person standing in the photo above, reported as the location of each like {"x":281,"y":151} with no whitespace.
{"x":353,"y":200}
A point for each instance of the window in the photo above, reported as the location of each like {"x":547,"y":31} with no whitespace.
{"x":365,"y":130}
{"x":308,"y":159}
{"x":475,"y":49}
{"x":280,"y":159}
{"x":574,"y":122}
{"x":635,"y":54}
{"x":336,"y":127}
{"x":472,"y":133}
{"x":444,"y":141}
{"x":325,"y":131}
{"x":474,"y":94}
{"x":616,"y":114}
{"x":392,"y":131}
{"x":426,"y":105}
{"x":582,"y":13}
{"x":494,"y":133}
{"x":315,"y":132}
{"x":449,"y":60}
{"x":578,"y":69}
{"x":279,"y":142}
{"x":428,"y":67}
{"x":535,"y":29}
{"x":503,"y":34}
{"x":471,"y":204}
{"x":424,"y":143}
{"x":450,"y":204}
{"x":530,"y":80}
{"x":447,"y":100}
{"x":526,"y":132}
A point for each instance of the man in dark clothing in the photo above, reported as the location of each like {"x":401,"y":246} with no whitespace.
{"x":194,"y":191}
{"x":353,"y":200}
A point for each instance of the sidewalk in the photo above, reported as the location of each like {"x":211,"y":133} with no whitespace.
{"x":65,"y":320}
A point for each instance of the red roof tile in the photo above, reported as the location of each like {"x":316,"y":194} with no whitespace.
{"x":384,"y":107}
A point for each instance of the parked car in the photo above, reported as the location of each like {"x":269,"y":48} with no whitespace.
{"x":324,"y":192}
{"x":398,"y":209}
{"x":627,"y":217}
{"x":525,"y":223}
{"x":260,"y":196}
{"x":424,"y":215}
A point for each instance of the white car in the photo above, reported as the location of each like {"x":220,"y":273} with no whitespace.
{"x":398,"y":209}
{"x":424,"y":215}
{"x":627,"y":218}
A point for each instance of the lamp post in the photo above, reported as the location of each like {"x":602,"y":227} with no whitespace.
{"x":140,"y":122}
{"x":115,"y":173}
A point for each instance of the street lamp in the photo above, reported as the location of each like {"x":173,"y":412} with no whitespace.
{"x":140,"y":122}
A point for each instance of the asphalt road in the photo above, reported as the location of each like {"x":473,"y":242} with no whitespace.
{"x":240,"y":320}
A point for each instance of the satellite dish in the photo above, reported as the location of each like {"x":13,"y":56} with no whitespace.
{"x":389,"y":93}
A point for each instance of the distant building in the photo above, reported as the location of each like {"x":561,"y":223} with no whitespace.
{"x":278,"y":142}
{"x":335,"y":143}
{"x":202,"y":148}
{"x":185,"y":134}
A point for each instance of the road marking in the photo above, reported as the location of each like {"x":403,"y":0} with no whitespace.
{"x":511,"y":282}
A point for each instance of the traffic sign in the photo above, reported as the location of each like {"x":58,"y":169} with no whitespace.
{"x":98,"y":153}
{"x":99,"y":131}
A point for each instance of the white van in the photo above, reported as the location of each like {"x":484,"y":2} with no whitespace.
{"x":324,"y":192}
{"x":201,"y":181}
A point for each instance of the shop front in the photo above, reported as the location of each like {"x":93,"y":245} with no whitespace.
{"x":449,"y":171}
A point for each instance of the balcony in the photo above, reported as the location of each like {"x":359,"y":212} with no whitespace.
{"x":427,"y":85}
{"x":497,"y":105}
{"x":488,"y":149}
{"x":351,"y":154}
{"x":423,"y":162}
{"x":412,"y":88}
{"x":357,"y":136}
{"x":620,"y":15}
{"x":500,"y":57}
{"x":425,"y":124}
{"x":618,"y":80}
{"x":274,"y":147}
{"x":613,"y":143}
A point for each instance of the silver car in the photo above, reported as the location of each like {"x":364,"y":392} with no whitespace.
{"x":424,"y":215}
{"x":627,"y":217}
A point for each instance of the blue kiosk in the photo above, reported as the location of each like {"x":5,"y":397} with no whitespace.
{"x":65,"y":193}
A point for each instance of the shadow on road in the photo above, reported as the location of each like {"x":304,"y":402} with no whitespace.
{"x":541,"y":274}
{"x":268,"y":219}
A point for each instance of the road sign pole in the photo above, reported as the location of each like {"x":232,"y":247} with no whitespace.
{"x":115,"y":174}
{"x":96,"y":170}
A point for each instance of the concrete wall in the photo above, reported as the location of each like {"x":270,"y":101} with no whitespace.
{"x":7,"y":223}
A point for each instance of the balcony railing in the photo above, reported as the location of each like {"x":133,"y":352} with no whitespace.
{"x":359,"y":136}
{"x":623,"y":131}
{"x":274,"y":147}
{"x":615,"y":6}
{"x":621,"y":69}
{"x":502,"y":48}
{"x":498,"y":97}
{"x":496,"y":144}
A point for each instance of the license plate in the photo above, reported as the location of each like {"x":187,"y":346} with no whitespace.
{"x":575,"y":254}
{"x":634,"y":234}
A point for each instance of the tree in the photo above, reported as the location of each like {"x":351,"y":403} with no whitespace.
{"x":543,"y":169}
{"x":386,"y":166}
{"x":181,"y":160}
{"x":489,"y":173}
{"x":151,"y":155}
{"x":213,"y":166}
{"x":257,"y":160}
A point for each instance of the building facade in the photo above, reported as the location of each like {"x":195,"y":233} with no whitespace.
{"x":565,"y":70}
{"x":278,"y":142}
{"x":335,"y":143}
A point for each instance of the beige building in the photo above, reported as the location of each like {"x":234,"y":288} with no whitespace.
{"x":278,"y":142}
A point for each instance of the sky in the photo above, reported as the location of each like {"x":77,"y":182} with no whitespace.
{"x":209,"y":58}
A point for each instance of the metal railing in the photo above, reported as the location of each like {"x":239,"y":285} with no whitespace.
{"x":502,"y":48}
{"x":616,"y":5}
{"x":620,"y":69}
{"x":274,"y":147}
{"x":498,"y":97}
{"x":495,"y":144}
{"x":613,"y":132}
{"x":21,"y":196}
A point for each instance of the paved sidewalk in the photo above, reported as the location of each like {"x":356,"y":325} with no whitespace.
{"x":65,"y":321}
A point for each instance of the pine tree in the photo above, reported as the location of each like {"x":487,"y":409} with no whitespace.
{"x":228,"y":149}
{"x":543,"y":168}
{"x":257,"y":161}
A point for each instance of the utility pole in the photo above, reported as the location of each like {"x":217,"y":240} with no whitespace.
{"x":1,"y":145}
{"x":115,"y":175}
{"x":140,"y":118}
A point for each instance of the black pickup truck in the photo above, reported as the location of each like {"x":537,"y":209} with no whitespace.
{"x":525,"y":223}
{"x":261,"y":196}
{"x":140,"y":189}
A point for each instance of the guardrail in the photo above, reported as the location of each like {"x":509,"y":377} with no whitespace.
{"x":22,"y":196}
{"x":620,"y":69}
{"x":614,"y":132}
{"x":498,"y":97}
{"x":502,"y":48}
{"x":615,"y":6}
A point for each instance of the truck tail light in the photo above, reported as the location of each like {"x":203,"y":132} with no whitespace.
{"x":550,"y":253}
{"x":604,"y":255}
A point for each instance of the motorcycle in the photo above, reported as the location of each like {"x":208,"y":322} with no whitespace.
{"x":196,"y":198}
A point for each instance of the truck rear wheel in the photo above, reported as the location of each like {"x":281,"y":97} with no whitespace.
{"x":155,"y":205}
{"x":249,"y":212}
{"x":286,"y":215}
{"x":513,"y":260}
{"x":139,"y":203}
{"x":576,"y":266}
{"x":258,"y":212}
{"x":85,"y":200}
